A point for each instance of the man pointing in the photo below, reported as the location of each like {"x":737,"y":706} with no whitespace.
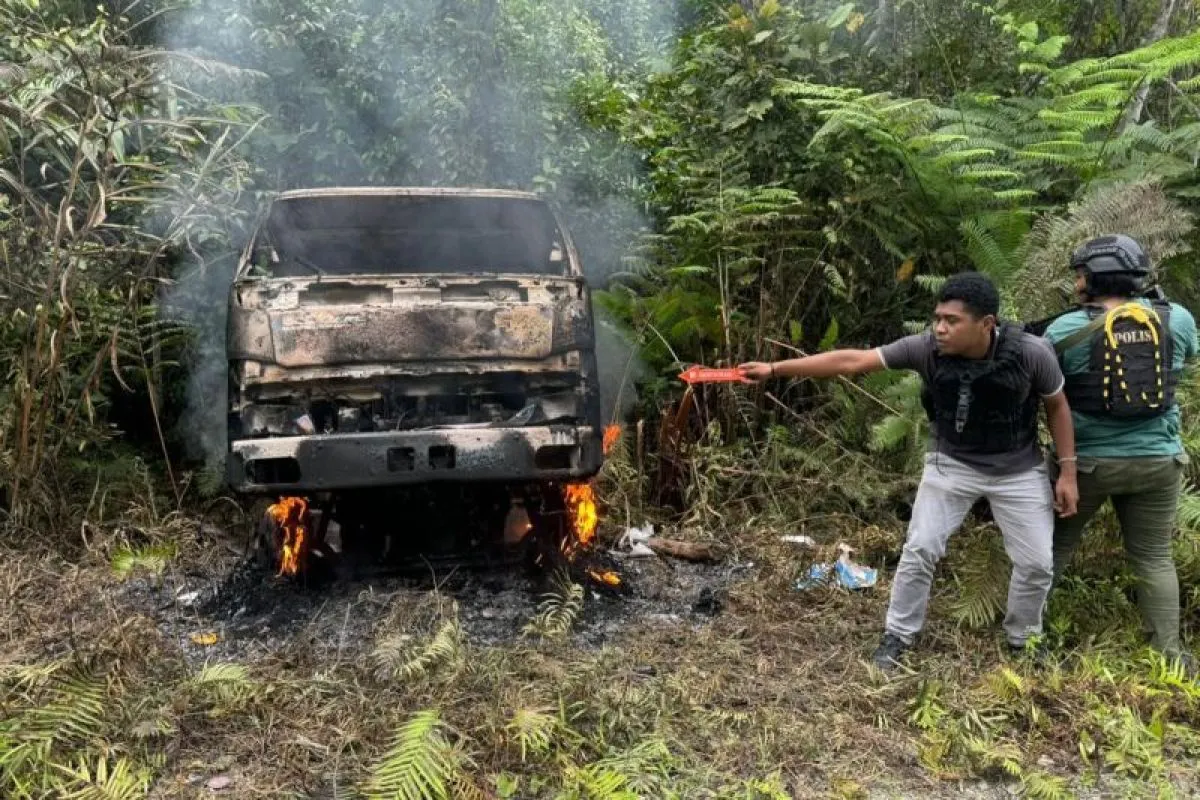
{"x":982,"y":385}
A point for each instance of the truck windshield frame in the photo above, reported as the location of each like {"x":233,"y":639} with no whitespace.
{"x":411,"y":234}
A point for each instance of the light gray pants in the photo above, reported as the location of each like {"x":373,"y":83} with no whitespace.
{"x":1022,"y":505}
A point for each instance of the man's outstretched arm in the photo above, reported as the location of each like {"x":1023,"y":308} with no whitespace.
{"x":822,"y":365}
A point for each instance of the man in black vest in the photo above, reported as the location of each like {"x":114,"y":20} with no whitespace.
{"x":983,"y":381}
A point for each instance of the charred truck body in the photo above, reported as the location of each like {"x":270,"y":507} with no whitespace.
{"x":390,"y":337}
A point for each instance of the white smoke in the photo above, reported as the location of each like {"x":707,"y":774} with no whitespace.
{"x":426,"y":92}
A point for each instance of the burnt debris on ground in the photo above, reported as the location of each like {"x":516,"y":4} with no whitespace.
{"x":255,"y":612}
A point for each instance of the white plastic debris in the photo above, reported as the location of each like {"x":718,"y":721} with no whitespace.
{"x":188,"y":598}
{"x":219,"y":782}
{"x":807,"y":541}
{"x":847,"y":573}
{"x":633,"y":541}
{"x":305,"y":424}
{"x":636,"y":535}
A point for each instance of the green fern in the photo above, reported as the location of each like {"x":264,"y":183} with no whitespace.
{"x":1140,"y":208}
{"x":224,"y":686}
{"x":641,"y":771}
{"x":926,"y":710}
{"x":1189,"y":510}
{"x":420,"y":765}
{"x":60,"y":713}
{"x":98,"y":779}
{"x":74,"y":712}
{"x":557,"y":611}
{"x":891,"y":432}
{"x":1130,"y":746}
{"x":395,"y":661}
{"x":983,"y":583}
{"x":1005,"y":686}
{"x":1040,"y":786}
{"x":533,"y":730}
{"x":153,"y":559}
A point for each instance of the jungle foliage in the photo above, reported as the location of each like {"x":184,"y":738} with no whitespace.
{"x":747,"y":180}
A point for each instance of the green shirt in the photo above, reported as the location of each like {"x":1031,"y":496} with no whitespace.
{"x":1101,"y":437}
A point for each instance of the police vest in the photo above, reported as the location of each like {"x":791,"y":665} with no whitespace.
{"x":987,"y":405}
{"x":1129,"y":374}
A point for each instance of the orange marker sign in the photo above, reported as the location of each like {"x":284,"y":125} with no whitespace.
{"x":699,"y":374}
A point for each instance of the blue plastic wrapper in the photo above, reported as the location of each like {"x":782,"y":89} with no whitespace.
{"x":847,"y":573}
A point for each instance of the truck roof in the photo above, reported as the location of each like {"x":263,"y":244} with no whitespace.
{"x":405,"y":191}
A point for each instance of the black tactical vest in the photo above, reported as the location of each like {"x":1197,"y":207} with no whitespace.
{"x":1129,"y":375}
{"x":984,"y":405}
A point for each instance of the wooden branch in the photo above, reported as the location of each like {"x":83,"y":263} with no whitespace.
{"x":1137,"y":103}
{"x":687,"y":551}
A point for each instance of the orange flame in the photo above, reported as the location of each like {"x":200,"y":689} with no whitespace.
{"x":612,"y":434}
{"x":580,"y":500}
{"x":581,"y":507}
{"x":291,"y":517}
{"x":608,"y":577}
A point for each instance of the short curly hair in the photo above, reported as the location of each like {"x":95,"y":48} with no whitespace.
{"x":975,"y":291}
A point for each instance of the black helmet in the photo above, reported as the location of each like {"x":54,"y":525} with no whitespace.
{"x":1118,"y":254}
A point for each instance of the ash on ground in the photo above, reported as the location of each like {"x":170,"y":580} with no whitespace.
{"x":231,"y":609}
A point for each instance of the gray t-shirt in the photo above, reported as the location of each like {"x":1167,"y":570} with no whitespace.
{"x":916,"y":352}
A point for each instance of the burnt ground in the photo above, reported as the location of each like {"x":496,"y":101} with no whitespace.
{"x":256,"y":613}
{"x":740,"y":675}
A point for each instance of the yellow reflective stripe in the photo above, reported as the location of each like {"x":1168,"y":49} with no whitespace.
{"x":1138,"y":313}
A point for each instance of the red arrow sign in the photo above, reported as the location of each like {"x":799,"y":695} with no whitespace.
{"x":699,"y":374}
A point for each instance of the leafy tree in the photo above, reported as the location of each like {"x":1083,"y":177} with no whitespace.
{"x":107,"y":172}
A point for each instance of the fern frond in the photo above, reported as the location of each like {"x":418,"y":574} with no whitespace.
{"x":1189,"y":510}
{"x":557,"y":611}
{"x":152,"y":559}
{"x":533,"y":730}
{"x":75,"y":712}
{"x":54,"y":715}
{"x":420,"y":764}
{"x":640,"y":771}
{"x":983,"y":584}
{"x":926,"y":710}
{"x":1139,"y":208}
{"x":223,"y":684}
{"x":99,"y":780}
{"x":394,"y":659}
{"x":1040,"y":786}
{"x":890,"y":433}
{"x":986,"y":252}
{"x":1005,"y":685}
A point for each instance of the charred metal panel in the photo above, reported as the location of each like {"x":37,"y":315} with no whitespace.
{"x":250,"y":373}
{"x":297,"y":464}
{"x":249,"y":334}
{"x":348,"y":336}
{"x":298,"y":324}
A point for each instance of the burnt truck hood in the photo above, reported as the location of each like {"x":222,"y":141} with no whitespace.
{"x":323,"y":321}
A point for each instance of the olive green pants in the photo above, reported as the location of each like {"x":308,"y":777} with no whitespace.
{"x":1144,"y":493}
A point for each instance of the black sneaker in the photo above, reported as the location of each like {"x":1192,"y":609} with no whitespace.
{"x":888,"y":654}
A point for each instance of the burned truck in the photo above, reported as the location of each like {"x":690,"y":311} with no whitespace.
{"x":383,"y":338}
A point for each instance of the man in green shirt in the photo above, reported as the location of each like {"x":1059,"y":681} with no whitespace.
{"x":1122,"y":355}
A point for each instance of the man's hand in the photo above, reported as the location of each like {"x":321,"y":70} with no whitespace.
{"x":756,"y":371}
{"x":1066,"y":495}
{"x":822,"y":365}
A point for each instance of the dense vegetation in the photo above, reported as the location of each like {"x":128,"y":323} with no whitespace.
{"x":745,"y":179}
